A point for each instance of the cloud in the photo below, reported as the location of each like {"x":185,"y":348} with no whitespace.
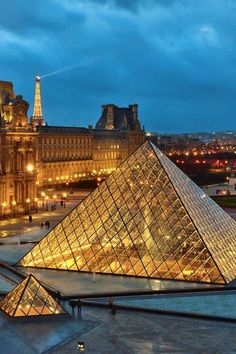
{"x":175,"y":58}
{"x":10,"y":39}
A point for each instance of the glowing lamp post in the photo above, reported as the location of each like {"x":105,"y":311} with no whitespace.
{"x":36,"y":204}
{"x":14,"y":208}
{"x":65,"y":199}
{"x":98,"y":180}
{"x":46,"y":202}
{"x":4,"y":204}
{"x":57,"y":179}
{"x":30,"y":167}
{"x":43,"y":196}
{"x":55,"y":200}
{"x":28,"y":205}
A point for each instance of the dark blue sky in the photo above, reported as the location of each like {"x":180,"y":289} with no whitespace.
{"x":176,"y":59}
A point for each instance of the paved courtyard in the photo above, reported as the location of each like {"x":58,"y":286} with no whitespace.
{"x":20,"y":226}
{"x":129,"y":332}
{"x":136,"y":332}
{"x":18,"y":236}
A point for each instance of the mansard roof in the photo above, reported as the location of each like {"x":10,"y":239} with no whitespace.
{"x":123,"y":118}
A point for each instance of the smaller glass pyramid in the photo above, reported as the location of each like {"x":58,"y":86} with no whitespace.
{"x":30,"y":298}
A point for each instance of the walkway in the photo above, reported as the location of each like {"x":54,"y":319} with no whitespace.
{"x":20,"y":226}
{"x":14,"y":231}
{"x":136,"y":332}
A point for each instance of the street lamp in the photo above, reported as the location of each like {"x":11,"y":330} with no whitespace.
{"x":4,"y":204}
{"x":65,"y":199}
{"x":54,"y":198}
{"x":43,"y":196}
{"x":14,"y":208}
{"x":30,"y":167}
{"x":28,"y":204}
{"x":36,"y":204}
{"x":57,"y":179}
{"x":46,"y":202}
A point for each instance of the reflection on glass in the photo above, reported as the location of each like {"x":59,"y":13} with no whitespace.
{"x":140,"y":222}
{"x":29,"y":298}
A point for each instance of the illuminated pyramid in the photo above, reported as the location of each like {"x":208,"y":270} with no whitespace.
{"x":29,"y":298}
{"x":146,"y":219}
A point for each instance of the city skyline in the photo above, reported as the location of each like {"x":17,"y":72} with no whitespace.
{"x":117,"y":176}
{"x":175,"y":60}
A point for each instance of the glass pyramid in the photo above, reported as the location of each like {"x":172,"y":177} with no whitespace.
{"x":146,"y":219}
{"x":29,"y":298}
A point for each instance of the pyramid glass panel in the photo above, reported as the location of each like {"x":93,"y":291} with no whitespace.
{"x":146,"y":219}
{"x":215,"y":226}
{"x":29,"y":298}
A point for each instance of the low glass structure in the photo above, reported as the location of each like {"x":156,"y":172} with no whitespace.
{"x":30,"y":298}
{"x":146,"y":219}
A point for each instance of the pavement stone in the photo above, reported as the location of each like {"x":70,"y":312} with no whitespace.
{"x":135,"y":333}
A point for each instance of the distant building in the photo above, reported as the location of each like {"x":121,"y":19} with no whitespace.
{"x":33,"y":154}
{"x":168,"y":142}
{"x":114,"y":117}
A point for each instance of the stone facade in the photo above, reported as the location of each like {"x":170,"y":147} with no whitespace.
{"x":17,"y":151}
{"x":66,"y":154}
{"x":35,"y":157}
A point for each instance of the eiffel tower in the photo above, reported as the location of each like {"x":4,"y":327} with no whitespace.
{"x":37,"y":117}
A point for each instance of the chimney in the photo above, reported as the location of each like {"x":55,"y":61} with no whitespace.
{"x":134,"y":109}
{"x":110,"y":116}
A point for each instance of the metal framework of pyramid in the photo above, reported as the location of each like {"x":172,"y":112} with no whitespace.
{"x":30,"y":298}
{"x":146,"y":219}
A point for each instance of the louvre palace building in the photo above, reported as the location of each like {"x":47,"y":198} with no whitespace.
{"x":35,"y":155}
